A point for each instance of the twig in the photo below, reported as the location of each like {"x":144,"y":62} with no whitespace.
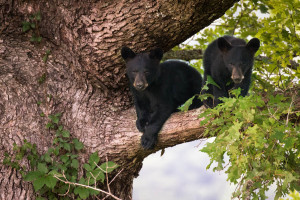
{"x":86,"y":186}
{"x":115,"y":176}
{"x":106,"y":174}
{"x":68,"y":187}
{"x":287,"y":117}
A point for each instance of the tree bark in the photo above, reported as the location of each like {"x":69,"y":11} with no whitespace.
{"x":85,"y":77}
{"x":186,"y":55}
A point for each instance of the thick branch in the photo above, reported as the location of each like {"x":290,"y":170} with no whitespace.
{"x":181,"y":127}
{"x":198,"y":54}
{"x":184,"y":54}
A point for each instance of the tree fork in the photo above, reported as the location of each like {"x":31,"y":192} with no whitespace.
{"x":85,"y":79}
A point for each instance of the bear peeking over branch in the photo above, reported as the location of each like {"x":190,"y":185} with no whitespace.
{"x":229,"y":61}
{"x":158,"y":89}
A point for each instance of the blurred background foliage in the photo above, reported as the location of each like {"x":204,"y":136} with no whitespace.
{"x":260,"y":133}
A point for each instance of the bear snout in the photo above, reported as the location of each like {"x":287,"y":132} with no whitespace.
{"x":140,"y":86}
{"x":237,"y":75}
{"x":238,"y":80}
{"x":140,"y":82}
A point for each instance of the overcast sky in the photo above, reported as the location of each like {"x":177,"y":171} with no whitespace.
{"x":180,"y":174}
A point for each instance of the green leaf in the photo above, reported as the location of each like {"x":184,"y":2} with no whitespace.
{"x":285,"y":33}
{"x":26,"y":26}
{"x":39,"y":39}
{"x":93,"y":192}
{"x":39,"y":183}
{"x":32,"y":25}
{"x":75,"y":164}
{"x":65,"y":133}
{"x":38,"y":16}
{"x":47,"y":158}
{"x":87,"y":167}
{"x":82,"y":192}
{"x":98,"y":174}
{"x":49,"y":125}
{"x":33,"y":175}
{"x":45,"y":58}
{"x":51,"y":181}
{"x":55,"y":118}
{"x":56,"y":151}
{"x":42,"y":167}
{"x":42,"y":78}
{"x":210,"y":80}
{"x":263,"y":9}
{"x":40,"y":198}
{"x":54,"y":172}
{"x":64,"y":158}
{"x":186,"y":105}
{"x":78,"y":144}
{"x":67,"y":146}
{"x":205,"y":87}
{"x":94,"y":159}
{"x":60,"y":128}
{"x":108,"y":166}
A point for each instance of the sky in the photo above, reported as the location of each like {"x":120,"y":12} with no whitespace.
{"x":180,"y":174}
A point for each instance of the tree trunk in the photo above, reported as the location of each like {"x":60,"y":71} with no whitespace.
{"x":85,"y":77}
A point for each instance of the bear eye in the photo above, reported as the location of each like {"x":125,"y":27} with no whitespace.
{"x":134,"y":72}
{"x":146,"y":72}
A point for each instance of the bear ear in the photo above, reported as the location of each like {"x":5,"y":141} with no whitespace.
{"x":253,"y":45}
{"x":156,"y":54}
{"x":127,"y":53}
{"x":223,"y":44}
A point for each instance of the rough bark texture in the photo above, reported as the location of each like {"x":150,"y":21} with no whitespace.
{"x":184,"y":54}
{"x":85,"y":77}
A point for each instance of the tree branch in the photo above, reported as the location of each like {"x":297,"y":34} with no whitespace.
{"x":181,"y":127}
{"x":184,"y":54}
{"x":196,"y":54}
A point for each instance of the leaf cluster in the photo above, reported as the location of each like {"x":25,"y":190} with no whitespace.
{"x":61,"y":160}
{"x":259,"y":133}
{"x":202,"y":96}
{"x":261,"y":142}
{"x":32,"y":25}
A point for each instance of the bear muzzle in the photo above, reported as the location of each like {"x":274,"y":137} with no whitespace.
{"x":140,"y":82}
{"x":237,"y":75}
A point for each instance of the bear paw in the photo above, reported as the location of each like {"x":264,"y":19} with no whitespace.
{"x":148,"y":141}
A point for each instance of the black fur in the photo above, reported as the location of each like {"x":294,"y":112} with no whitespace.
{"x":158,"y":89}
{"x":229,"y":61}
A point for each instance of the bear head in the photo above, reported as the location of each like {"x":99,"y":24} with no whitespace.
{"x":142,"y":69}
{"x":238,"y":56}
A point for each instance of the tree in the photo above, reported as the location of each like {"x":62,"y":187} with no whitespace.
{"x":62,"y":58}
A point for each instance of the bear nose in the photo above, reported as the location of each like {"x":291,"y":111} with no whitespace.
{"x":139,"y":85}
{"x":237,"y":79}
{"x":237,"y":75}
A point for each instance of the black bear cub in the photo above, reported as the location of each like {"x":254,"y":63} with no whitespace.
{"x":229,"y":61}
{"x":158,"y":89}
